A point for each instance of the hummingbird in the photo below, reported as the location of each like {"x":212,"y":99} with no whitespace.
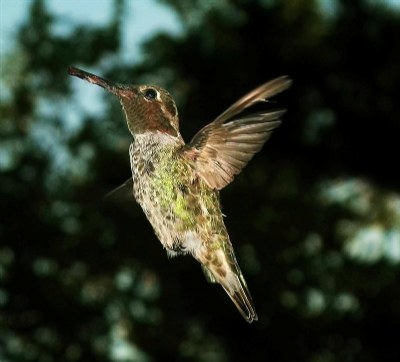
{"x":177,"y":184}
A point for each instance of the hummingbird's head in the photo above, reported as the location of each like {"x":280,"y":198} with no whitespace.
{"x":148,"y":108}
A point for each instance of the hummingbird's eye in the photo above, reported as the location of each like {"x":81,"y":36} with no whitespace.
{"x":150,"y":94}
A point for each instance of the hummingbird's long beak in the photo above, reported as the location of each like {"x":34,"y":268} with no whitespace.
{"x":112,"y":87}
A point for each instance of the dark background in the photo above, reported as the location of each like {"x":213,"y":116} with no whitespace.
{"x":314,"y":218}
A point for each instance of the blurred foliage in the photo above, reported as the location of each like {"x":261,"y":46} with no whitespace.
{"x":315,"y":217}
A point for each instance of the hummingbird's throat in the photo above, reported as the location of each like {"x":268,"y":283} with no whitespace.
{"x":146,"y":119}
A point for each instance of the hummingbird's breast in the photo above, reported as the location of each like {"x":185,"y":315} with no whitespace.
{"x":183,"y":211}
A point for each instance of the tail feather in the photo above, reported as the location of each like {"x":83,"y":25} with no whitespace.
{"x":236,"y":288}
{"x":242,"y":300}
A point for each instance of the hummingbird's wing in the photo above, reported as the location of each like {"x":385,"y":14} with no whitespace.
{"x":123,"y":192}
{"x":222,"y":149}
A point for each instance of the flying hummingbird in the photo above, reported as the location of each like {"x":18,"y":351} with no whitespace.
{"x":177,"y":184}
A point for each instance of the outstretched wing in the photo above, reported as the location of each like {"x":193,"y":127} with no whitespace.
{"x":222,"y":149}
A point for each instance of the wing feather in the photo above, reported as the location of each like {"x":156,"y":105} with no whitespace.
{"x":223,"y":148}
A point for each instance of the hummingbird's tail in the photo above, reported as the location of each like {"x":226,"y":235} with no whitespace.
{"x":242,"y":299}
{"x":227,"y":273}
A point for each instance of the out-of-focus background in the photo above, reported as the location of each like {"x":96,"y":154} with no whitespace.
{"x":314,"y":218}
